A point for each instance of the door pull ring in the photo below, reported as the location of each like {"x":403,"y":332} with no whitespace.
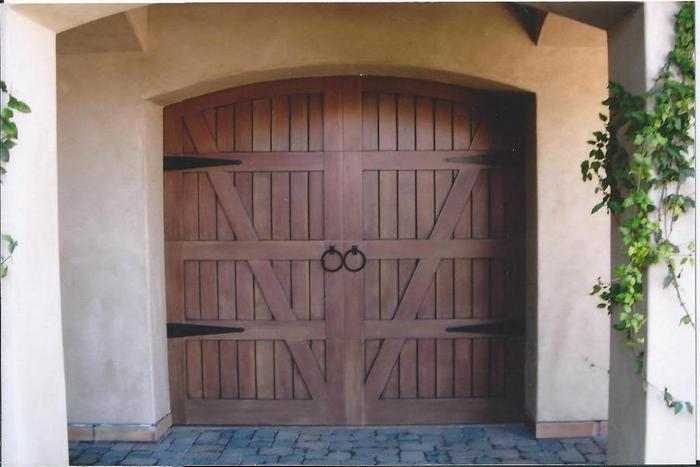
{"x":331,"y":251}
{"x":354,"y":251}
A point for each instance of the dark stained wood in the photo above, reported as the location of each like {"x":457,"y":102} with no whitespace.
{"x":334,"y":303}
{"x":425,"y":219}
{"x":251,"y":412}
{"x":353,"y":311}
{"x":444,"y":276}
{"x":346,"y":161}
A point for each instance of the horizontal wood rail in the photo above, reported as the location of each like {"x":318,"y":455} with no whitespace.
{"x":371,"y":160}
{"x":253,"y":250}
{"x":313,"y":249}
{"x":250,"y":412}
{"x":414,"y":249}
{"x":300,"y":330}
{"x":264,"y":161}
{"x":427,"y":160}
{"x":464,"y":410}
{"x":423,"y":328}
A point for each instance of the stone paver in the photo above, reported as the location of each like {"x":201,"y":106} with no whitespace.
{"x":408,"y":445}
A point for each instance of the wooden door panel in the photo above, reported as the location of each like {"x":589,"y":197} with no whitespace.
{"x":407,"y":183}
{"x":249,"y":250}
{"x":344,"y":161}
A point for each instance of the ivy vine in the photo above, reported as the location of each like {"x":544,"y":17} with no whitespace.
{"x":8,"y":140}
{"x":646,"y":153}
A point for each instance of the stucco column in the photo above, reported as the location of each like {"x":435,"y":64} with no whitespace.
{"x":642,"y":429}
{"x":33,"y":386}
{"x":112,"y":265}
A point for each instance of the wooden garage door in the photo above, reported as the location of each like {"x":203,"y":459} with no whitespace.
{"x":424,"y":180}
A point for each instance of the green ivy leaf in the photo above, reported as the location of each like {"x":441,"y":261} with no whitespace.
{"x":689,"y":407}
{"x":597,"y":207}
{"x":9,"y":128}
{"x":677,"y":407}
{"x":638,"y":365}
{"x":3,"y":86}
{"x":669,"y":279}
{"x":667,"y":396}
{"x":11,"y":242}
{"x":18,"y":105}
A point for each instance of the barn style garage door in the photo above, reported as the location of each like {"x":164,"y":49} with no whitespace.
{"x":345,"y":251}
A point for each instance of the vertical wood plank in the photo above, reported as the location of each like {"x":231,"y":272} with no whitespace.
{"x":210,"y":121}
{"x":207,"y":269}
{"x":388,"y":224}
{"x":463,"y":364}
{"x":175,"y":307}
{"x":208,"y":293}
{"x":262,"y":222}
{"x":316,"y":283}
{"x":299,"y":122}
{"x":497,"y":219}
{"x":190,"y":221}
{"x":244,"y":126}
{"x":261,"y":125}
{"x":172,"y":130}
{"x":228,"y":361}
{"x":194,"y":369}
{"x":480,"y":229}
{"x":408,"y":369}
{"x":224,"y":128}
{"x":444,"y":276}
{"x":244,"y":276}
{"x":173,"y":205}
{"x":227,"y":289}
{"x":187,"y":143}
{"x":353,"y":311}
{"x":333,"y":230}
{"x":408,"y":363}
{"x":463,"y":267}
{"x":281,"y":223}
{"x":315,"y":142}
{"x":190,"y":206}
{"x":425,"y":209}
{"x":480,"y":367}
{"x":210,"y":369}
{"x":316,"y":137}
{"x":299,"y":207}
{"x":497,"y":367}
{"x":370,"y":210}
{"x":461,"y":139}
{"x":460,"y":126}
{"x":192,"y":293}
{"x":406,"y":128}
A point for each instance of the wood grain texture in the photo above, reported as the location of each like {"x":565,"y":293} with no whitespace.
{"x":346,"y":161}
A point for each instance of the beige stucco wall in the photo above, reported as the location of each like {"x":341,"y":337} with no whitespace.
{"x":111,"y":224}
{"x":33,"y":387}
{"x":110,"y":199}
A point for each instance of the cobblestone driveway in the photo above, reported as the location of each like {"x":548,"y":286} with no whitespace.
{"x":509,"y":444}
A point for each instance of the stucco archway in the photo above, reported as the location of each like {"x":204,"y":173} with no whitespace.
{"x":195,"y":49}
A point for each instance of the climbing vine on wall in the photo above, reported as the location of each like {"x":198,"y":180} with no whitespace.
{"x":8,"y":140}
{"x":641,"y":161}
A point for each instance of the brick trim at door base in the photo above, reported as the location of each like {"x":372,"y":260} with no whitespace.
{"x":577,"y":429}
{"x":119,"y":431}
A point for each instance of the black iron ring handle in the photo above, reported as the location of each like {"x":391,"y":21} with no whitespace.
{"x":331,"y":251}
{"x":354,"y":251}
